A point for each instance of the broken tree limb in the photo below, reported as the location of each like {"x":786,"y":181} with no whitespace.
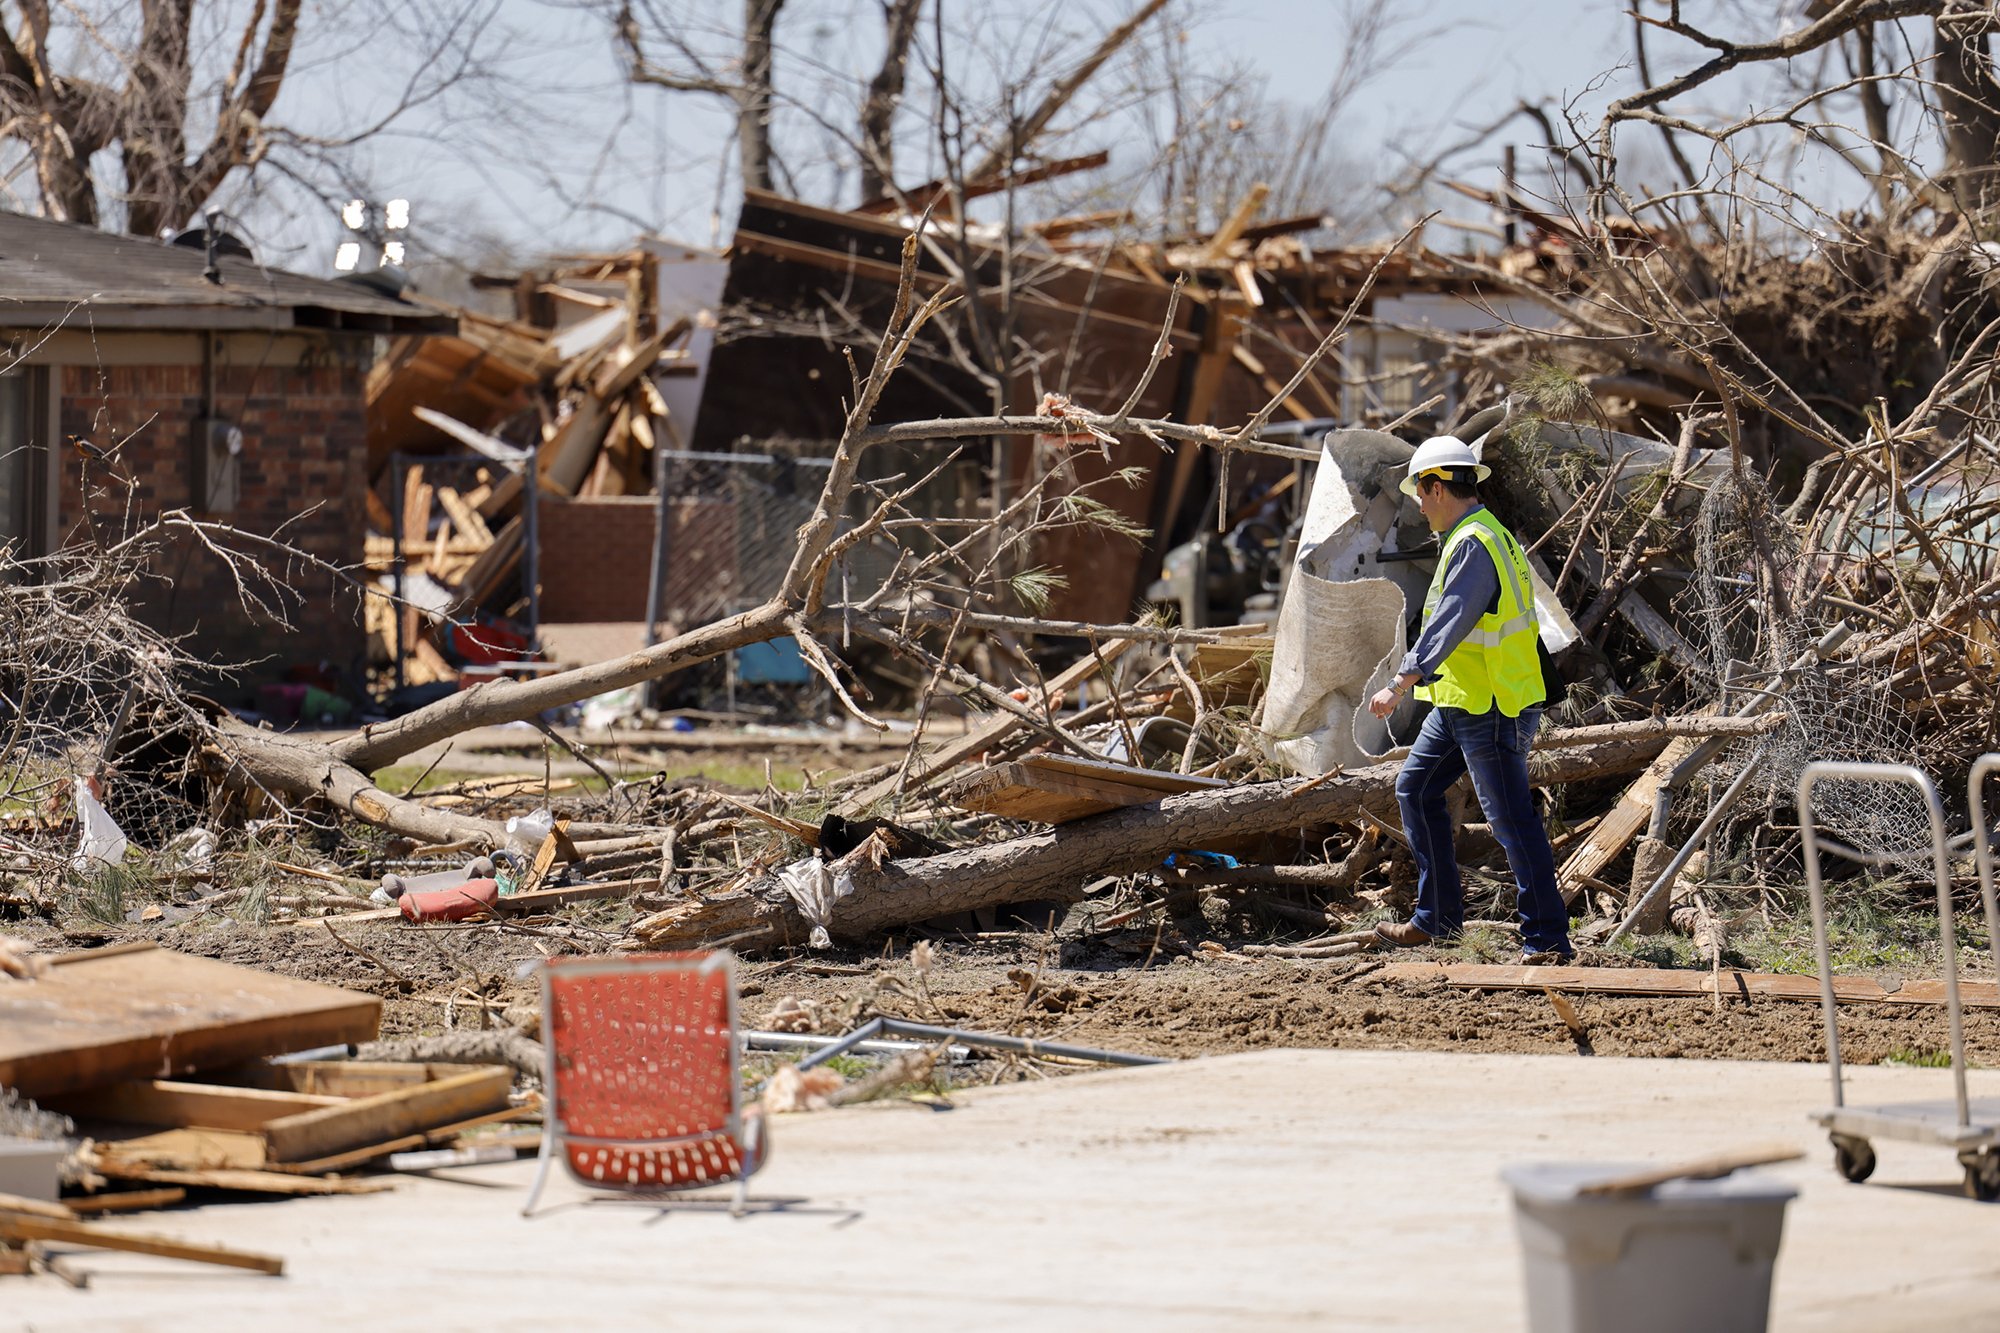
{"x":1054,"y":865}
{"x":521,"y":1053}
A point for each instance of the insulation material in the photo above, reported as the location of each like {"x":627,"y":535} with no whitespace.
{"x":1341,"y":628}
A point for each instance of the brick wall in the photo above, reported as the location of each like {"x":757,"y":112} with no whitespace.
{"x":304,"y":429}
{"x":596,"y":555}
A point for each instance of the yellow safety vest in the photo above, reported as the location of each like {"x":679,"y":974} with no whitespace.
{"x":1496,"y":665}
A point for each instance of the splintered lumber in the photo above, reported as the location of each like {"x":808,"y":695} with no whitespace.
{"x":1627,"y":820}
{"x":268,"y":1126}
{"x":1675,"y":981}
{"x":989,"y":733}
{"x":16,"y":1228}
{"x":458,"y":1095}
{"x":189,"y":1105}
{"x":465,"y":518}
{"x":16,"y":1205}
{"x":492,"y":566}
{"x":1054,"y":865}
{"x":127,"y":1201}
{"x":243,"y":1181}
{"x":432,"y":1138}
{"x":1059,"y":789}
{"x":120,"y":1014}
{"x":1233,"y":671}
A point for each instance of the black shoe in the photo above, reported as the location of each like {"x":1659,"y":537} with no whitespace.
{"x":1547,"y":957}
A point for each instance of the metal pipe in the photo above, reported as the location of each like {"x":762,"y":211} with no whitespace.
{"x":868,"y":1031}
{"x":808,"y":1041}
{"x":896,"y":1027}
{"x":1022,"y":1045}
{"x":1687,"y":850}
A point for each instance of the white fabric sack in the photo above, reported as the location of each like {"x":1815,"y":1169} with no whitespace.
{"x":102,"y":842}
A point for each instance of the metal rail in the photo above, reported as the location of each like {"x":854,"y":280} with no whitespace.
{"x":1892,"y":773}
{"x":876,"y":1028}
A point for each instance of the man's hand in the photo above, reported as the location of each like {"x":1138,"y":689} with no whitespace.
{"x":1385,"y":701}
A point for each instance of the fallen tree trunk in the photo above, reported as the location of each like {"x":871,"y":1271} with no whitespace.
{"x":302,"y":768}
{"x":1053,"y":865}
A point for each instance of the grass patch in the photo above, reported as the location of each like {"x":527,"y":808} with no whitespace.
{"x":396,"y":778}
{"x":1910,"y":1058}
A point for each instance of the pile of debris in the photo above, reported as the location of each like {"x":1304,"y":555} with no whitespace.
{"x":575,"y":398}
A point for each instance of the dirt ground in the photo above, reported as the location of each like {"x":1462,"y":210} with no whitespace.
{"x":1173,"y":1007}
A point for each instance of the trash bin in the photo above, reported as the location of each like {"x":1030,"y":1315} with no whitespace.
{"x":1691,"y":1254}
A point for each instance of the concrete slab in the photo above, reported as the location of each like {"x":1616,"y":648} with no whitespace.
{"x":1286,"y":1189}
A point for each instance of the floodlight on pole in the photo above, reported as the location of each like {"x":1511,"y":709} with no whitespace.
{"x":370,"y":224}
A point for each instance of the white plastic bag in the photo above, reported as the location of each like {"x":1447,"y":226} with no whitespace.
{"x":103,"y":842}
{"x":532,"y":829}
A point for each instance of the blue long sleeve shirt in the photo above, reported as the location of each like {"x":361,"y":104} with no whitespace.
{"x":1471,"y":590}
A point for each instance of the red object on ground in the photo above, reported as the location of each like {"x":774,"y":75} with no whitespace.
{"x":453,"y":904}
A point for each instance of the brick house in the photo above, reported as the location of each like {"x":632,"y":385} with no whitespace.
{"x":237,"y":396}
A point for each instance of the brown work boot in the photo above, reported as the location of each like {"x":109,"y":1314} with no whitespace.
{"x":1401,"y":935}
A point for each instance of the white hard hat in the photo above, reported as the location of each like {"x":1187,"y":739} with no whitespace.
{"x":1443,"y":454}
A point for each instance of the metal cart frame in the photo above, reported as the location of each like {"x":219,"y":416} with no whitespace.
{"x":1946,"y":1124}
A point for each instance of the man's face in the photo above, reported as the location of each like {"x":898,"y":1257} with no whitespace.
{"x":1431,"y":496}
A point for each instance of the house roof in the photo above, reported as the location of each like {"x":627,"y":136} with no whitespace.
{"x":49,"y":271}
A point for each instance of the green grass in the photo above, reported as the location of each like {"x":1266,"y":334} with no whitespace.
{"x":1910,"y":1058}
{"x":396,"y":778}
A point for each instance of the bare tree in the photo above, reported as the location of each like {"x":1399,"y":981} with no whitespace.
{"x":183,"y":91}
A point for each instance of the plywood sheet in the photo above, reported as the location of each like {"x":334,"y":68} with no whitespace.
{"x":117,"y":1014}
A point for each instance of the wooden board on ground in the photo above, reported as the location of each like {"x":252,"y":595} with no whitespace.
{"x":1657,"y":981}
{"x":292,"y":1113}
{"x":1056,"y":789}
{"x":103,"y":1017}
{"x":243,"y":1181}
{"x":82,"y":1233}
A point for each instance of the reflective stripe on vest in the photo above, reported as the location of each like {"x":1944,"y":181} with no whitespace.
{"x":1497,"y":664}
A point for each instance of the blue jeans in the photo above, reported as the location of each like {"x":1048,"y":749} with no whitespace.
{"x":1494,"y":747}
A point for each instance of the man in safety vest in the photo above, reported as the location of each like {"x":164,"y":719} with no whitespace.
{"x":1476,"y":661}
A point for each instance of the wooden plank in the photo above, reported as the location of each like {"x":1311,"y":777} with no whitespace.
{"x":1240,"y":217}
{"x":1627,"y":820}
{"x":465,"y":518}
{"x":127,"y":1201}
{"x":1232,"y":672}
{"x":191,"y":1150}
{"x":1122,"y":775}
{"x":1057,"y":789}
{"x":416,"y":505}
{"x":20,"y":1207}
{"x":152,"y":1013}
{"x":1684,"y":982}
{"x":79,"y":1233}
{"x":388,"y":1115}
{"x":187,"y":1105}
{"x":983,"y":737}
{"x":243,"y":1182}
{"x":430,"y":1138}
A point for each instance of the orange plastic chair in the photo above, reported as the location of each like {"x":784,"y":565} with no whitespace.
{"x":642,"y":1090}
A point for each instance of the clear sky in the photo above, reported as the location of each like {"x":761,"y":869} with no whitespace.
{"x":554,"y":151}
